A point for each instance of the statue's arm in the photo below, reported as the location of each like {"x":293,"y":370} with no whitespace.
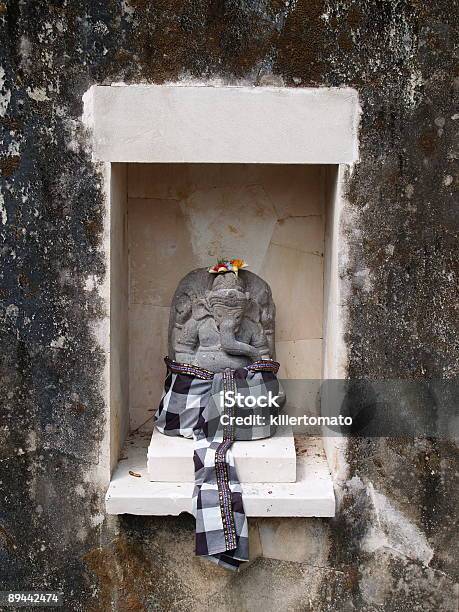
{"x":186,"y":340}
{"x":260,"y":342}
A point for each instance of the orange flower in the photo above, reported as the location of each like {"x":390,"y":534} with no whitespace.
{"x":232,"y":265}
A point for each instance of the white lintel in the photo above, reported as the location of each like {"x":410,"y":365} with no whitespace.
{"x":202,"y":124}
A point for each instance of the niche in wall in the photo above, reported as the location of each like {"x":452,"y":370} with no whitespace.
{"x":199,"y":172}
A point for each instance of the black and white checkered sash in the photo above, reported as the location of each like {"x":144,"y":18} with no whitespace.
{"x":192,"y":406}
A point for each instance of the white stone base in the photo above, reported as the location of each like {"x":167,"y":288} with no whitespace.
{"x":170,"y":458}
{"x":131,"y":491}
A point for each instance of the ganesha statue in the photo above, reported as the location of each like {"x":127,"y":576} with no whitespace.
{"x":223,"y":320}
{"x":221,"y":346}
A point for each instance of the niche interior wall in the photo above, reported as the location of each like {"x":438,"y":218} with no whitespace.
{"x":185,"y":216}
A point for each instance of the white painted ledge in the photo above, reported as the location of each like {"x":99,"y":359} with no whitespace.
{"x":311,"y":495}
{"x":200,"y":124}
{"x":170,"y":458}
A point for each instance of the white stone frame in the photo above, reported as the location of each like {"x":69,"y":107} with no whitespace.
{"x":190,"y":124}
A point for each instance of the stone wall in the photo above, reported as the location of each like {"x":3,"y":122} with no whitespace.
{"x":391,"y":546}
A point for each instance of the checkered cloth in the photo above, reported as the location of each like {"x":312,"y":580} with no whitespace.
{"x":193,"y":403}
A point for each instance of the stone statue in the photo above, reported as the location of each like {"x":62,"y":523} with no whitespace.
{"x":221,"y":321}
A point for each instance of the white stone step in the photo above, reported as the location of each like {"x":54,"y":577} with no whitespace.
{"x":170,"y":458}
{"x":131,"y":491}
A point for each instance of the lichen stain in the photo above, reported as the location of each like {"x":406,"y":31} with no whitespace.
{"x":9,"y":164}
{"x":355,"y":17}
{"x":94,"y":228}
{"x":428,"y":142}
{"x":126,"y":574}
{"x":206,"y":37}
{"x":7,"y":540}
{"x":300,"y":44}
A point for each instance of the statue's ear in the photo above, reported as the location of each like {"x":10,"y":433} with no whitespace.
{"x":182,"y":309}
{"x":253,"y":311}
{"x":200,"y":308}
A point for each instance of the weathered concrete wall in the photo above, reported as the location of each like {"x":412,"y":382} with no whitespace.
{"x":391,"y":546}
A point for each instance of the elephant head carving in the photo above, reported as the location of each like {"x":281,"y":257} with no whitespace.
{"x":229,"y":320}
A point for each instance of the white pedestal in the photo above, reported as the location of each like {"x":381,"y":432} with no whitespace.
{"x":170,"y":458}
{"x":132,"y":492}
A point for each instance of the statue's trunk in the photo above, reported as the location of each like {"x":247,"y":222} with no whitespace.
{"x":231,"y":345}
